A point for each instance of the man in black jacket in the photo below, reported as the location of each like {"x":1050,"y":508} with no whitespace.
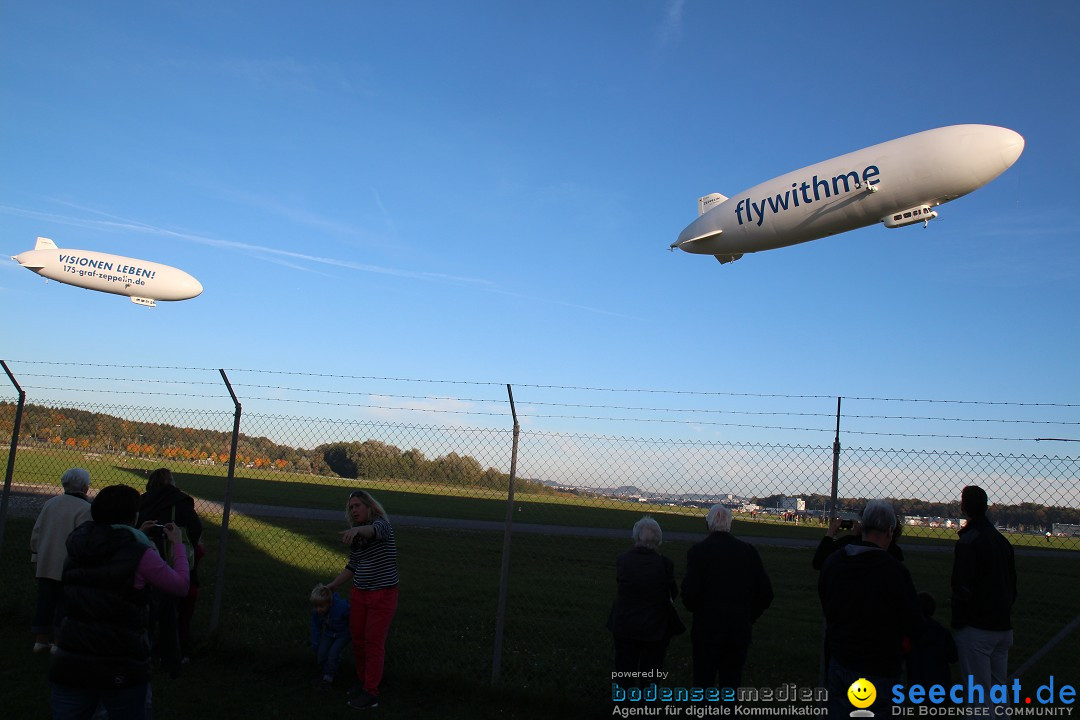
{"x":870,"y":604}
{"x":727,"y":589}
{"x":983,"y":593}
{"x":163,"y":503}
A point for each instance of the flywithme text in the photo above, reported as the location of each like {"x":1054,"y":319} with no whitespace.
{"x":978,"y":695}
{"x":809,"y":191}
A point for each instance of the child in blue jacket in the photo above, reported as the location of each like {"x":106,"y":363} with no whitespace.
{"x":329,"y":633}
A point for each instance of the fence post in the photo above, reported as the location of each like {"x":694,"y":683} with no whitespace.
{"x":11,"y":455}
{"x":504,"y":575}
{"x":823,"y":670}
{"x":835,"y":465}
{"x":219,"y":576}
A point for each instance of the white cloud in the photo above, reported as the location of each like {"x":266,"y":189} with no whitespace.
{"x":671,"y":28}
{"x":289,"y":258}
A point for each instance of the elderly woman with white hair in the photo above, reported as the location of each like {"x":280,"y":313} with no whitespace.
{"x":643,"y":618}
{"x":48,"y":551}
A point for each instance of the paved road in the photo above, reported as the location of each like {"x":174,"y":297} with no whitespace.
{"x":496,"y":525}
{"x":26,"y":501}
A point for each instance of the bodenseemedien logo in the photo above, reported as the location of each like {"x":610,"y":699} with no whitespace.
{"x":862,"y":694}
{"x":697,"y":702}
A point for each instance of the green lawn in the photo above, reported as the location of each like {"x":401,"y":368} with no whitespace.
{"x":557,"y":653}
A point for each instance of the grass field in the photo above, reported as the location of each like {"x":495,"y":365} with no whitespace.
{"x":556,"y":660}
{"x":557,"y":651}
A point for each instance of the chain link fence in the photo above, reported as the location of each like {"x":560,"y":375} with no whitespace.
{"x":509,"y":580}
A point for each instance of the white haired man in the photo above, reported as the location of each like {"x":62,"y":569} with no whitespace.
{"x":48,"y":551}
{"x":643,"y":619}
{"x":870,"y":605}
{"x":727,"y":589}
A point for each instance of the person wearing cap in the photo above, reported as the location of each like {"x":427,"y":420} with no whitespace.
{"x":58,"y":517}
{"x":983,"y":593}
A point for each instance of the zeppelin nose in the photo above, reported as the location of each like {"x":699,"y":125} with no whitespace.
{"x":188,"y":287}
{"x":194,"y":287}
{"x":684,"y":236}
{"x":1012,"y":144}
{"x":700,"y":236}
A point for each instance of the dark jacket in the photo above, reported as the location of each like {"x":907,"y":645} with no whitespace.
{"x":165,"y":504}
{"x":646,"y":585}
{"x":168,"y":503}
{"x":983,"y":578}
{"x":102,"y":642}
{"x":726,"y":588}
{"x":870,"y":605}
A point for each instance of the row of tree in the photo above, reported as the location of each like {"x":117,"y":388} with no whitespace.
{"x":368,"y":459}
{"x":373,"y":459}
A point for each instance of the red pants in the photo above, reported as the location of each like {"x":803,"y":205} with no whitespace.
{"x":370,"y":613}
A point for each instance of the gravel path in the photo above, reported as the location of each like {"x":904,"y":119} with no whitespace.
{"x":26,"y":501}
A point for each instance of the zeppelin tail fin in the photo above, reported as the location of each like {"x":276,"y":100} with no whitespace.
{"x":707,"y":203}
{"x":45,"y":244}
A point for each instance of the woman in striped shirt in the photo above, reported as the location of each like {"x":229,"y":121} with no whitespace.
{"x":372,"y":568}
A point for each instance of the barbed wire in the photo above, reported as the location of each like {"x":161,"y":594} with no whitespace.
{"x":783,"y":446}
{"x":526,"y":404}
{"x":633,"y":408}
{"x":528,"y":408}
{"x":125,"y":392}
{"x":710,"y":423}
{"x":580,"y":388}
{"x":120,"y":379}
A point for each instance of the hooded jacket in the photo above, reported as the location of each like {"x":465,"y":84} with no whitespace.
{"x":103,"y":638}
{"x":870,"y":604}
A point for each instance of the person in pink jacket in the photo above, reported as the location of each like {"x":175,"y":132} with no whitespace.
{"x":102,"y":650}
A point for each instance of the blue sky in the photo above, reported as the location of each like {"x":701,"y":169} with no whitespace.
{"x":486,"y":191}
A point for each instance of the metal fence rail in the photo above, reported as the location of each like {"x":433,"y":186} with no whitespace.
{"x":542,"y":547}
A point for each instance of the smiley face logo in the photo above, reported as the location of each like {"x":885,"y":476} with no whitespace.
{"x":862,"y":693}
